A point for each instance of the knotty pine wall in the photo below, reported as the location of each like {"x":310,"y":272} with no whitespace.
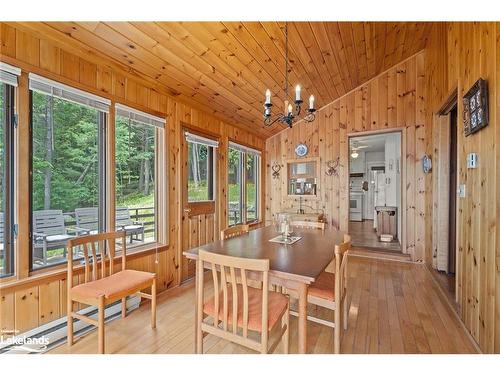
{"x":31,"y":300}
{"x":393,"y":100}
{"x":457,"y":55}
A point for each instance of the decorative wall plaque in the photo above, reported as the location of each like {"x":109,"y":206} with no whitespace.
{"x":476,"y":107}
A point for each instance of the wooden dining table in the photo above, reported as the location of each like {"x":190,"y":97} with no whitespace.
{"x":293,"y":267}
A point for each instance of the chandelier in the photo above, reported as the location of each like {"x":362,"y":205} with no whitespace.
{"x":290,"y":114}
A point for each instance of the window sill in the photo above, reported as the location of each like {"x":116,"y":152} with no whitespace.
{"x":59,"y":272}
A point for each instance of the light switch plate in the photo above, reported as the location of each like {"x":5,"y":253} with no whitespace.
{"x":472,"y":160}
{"x":461,"y":191}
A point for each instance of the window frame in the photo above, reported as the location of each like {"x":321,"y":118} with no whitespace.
{"x":102,"y":125}
{"x":161,"y":216}
{"x":9,"y":188}
{"x":244,"y":152}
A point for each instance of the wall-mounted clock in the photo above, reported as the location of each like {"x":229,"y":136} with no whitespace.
{"x":301,"y":150}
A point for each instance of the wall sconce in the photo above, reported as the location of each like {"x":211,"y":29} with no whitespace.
{"x":276,"y":170}
{"x":332,"y":166}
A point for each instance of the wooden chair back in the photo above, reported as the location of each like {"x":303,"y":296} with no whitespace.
{"x":341,"y":256}
{"x":308,"y":224}
{"x":123,"y":217}
{"x":98,"y":252}
{"x":227,"y":273}
{"x":48,"y":222}
{"x":237,"y":230}
{"x":87,"y":219}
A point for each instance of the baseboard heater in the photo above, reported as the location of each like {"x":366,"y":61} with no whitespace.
{"x":52,"y":334}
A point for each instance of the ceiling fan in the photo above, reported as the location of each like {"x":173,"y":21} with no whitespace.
{"x":355,"y":146}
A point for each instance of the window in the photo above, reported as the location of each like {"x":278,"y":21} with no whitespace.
{"x":200,"y":168}
{"x":137,"y":145}
{"x":243,"y":184}
{"x":68,"y":168}
{"x":252,"y":184}
{"x":8,"y":80}
{"x":235,"y":176}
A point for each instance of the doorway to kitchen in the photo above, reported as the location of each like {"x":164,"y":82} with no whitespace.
{"x":375,"y":191}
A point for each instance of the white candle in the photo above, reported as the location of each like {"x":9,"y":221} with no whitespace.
{"x":290,"y":108}
{"x":268,"y":96}
{"x":311,"y":102}
{"x":297,"y":92}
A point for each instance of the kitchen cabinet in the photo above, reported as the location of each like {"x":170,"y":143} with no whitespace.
{"x":358,"y":165}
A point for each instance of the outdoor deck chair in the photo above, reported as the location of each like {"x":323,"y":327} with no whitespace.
{"x":87,"y":220}
{"x":124,"y":222}
{"x":102,"y":285}
{"x":49,"y":232}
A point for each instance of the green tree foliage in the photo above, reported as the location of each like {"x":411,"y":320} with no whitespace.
{"x":65,"y":146}
{"x":66,"y":156}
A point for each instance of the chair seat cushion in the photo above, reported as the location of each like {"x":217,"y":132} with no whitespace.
{"x":277,"y":304}
{"x":323,"y":287}
{"x":132,"y":227}
{"x":115,"y":285}
{"x":58,"y":237}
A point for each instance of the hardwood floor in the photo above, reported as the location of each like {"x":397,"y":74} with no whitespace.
{"x":395,"y":307}
{"x":363,"y":235}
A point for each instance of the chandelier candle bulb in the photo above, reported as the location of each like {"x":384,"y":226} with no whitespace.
{"x":290,"y":109}
{"x":268,"y":96}
{"x":311,"y":102}
{"x":297,"y":93}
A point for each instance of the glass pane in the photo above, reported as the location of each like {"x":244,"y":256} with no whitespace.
{"x":3,"y":266}
{"x":252,"y":177}
{"x":235,"y":178}
{"x":200,"y":172}
{"x":65,"y":175}
{"x":135,"y":180}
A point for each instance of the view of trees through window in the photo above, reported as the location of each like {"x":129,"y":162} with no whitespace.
{"x":65,"y":165}
{"x":235,"y":175}
{"x":135,"y":179}
{"x":200,"y":172}
{"x":243,"y":170}
{"x":252,"y":174}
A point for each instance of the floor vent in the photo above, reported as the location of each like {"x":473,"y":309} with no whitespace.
{"x":53,"y":334}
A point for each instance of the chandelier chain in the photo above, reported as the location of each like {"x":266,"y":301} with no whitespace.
{"x":290,"y":114}
{"x":286,"y":60}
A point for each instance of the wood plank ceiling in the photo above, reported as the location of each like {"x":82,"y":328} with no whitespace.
{"x":225,"y":67}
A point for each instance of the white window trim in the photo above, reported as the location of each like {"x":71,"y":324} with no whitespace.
{"x":142,"y":117}
{"x":245,"y":149}
{"x":9,"y":74}
{"x":194,"y":138}
{"x":65,"y":92}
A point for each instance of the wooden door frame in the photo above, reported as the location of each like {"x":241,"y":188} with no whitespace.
{"x":401,"y":130}
{"x":204,"y":207}
{"x":445,"y":108}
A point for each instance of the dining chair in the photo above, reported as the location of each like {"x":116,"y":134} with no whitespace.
{"x":330,"y":291}
{"x":236,"y":308}
{"x":308,"y":224}
{"x":234,"y":231}
{"x":101,"y":284}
